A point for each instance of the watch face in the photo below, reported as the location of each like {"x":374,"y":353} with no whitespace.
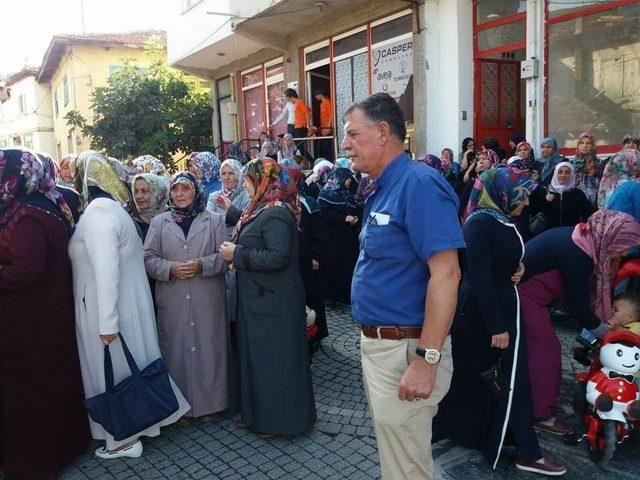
{"x":432,"y":356}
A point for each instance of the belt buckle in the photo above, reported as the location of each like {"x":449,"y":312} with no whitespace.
{"x":400,"y":334}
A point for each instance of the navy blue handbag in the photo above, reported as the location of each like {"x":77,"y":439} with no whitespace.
{"x":137,"y":402}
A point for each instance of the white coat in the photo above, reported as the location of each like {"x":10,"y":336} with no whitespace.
{"x":112,"y":295}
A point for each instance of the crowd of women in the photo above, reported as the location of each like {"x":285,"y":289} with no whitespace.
{"x":222,"y":269}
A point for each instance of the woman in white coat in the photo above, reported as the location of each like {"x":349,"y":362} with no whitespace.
{"x":111,"y":293}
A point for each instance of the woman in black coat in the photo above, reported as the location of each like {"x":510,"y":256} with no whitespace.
{"x":276,"y":395}
{"x":487,"y":330}
{"x":341,"y":221}
{"x":566,"y":205}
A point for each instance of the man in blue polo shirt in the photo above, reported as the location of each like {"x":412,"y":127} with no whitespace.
{"x":404,"y":287}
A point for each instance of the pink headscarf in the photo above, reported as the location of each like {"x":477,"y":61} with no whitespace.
{"x":606,"y":233}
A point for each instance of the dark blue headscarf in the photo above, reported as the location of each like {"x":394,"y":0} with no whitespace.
{"x":335,"y":192}
{"x":198,"y":204}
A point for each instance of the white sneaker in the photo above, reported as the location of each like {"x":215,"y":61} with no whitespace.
{"x":133,"y":451}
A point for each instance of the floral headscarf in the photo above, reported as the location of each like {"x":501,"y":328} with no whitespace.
{"x":631,"y":138}
{"x":321,"y":170}
{"x":606,"y":233}
{"x":208,"y":164}
{"x":237,"y":169}
{"x":586,"y":163}
{"x":268,"y":148}
{"x":198,"y":203}
{"x":432,"y":161}
{"x":525,"y":163}
{"x":159,"y":188}
{"x":23,"y":173}
{"x":289,"y":162}
{"x":490,"y":155}
{"x":365,"y":188}
{"x":548,"y":164}
{"x":335,"y":192}
{"x":558,"y":187}
{"x":149,"y":164}
{"x":93,"y":169}
{"x":498,"y":192}
{"x":622,"y":167}
{"x":274,"y":186}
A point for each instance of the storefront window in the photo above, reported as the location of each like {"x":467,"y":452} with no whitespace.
{"x":352,"y":85}
{"x":489,"y":10}
{"x":350,"y":44}
{"x":594,"y":76}
{"x":500,"y":36}
{"x":391,"y":29}
{"x":562,"y":7}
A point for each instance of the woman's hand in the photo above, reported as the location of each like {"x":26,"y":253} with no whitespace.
{"x":107,"y":339}
{"x":516,"y":277}
{"x":550,"y":197}
{"x":226,"y":250}
{"x":315,"y":265}
{"x":351,"y":220}
{"x":501,"y":340}
{"x":534,"y":175}
{"x":186,"y":270}
{"x":223,"y":203}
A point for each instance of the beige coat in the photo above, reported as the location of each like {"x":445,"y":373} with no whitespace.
{"x":192,"y":326}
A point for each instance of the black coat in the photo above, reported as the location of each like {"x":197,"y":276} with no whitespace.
{"x":568,"y":209}
{"x":488,"y":304}
{"x":276,"y":395}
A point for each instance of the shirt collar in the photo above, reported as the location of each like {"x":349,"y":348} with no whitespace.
{"x":393,"y":169}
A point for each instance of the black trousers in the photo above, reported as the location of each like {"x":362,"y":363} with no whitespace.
{"x":301,"y":133}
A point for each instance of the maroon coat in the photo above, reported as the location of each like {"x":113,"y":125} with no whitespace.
{"x":43,"y":423}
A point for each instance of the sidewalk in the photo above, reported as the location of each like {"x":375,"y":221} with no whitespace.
{"x":342,"y":444}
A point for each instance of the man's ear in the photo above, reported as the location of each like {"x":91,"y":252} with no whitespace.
{"x":383,"y":133}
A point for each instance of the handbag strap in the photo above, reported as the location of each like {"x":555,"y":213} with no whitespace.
{"x":108,"y":364}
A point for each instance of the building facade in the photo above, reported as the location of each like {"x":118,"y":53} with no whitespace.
{"x":74,"y":65}
{"x":25,"y":116}
{"x":490,"y":68}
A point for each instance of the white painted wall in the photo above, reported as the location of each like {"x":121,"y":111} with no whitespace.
{"x":37,"y":120}
{"x":535,"y":86}
{"x":449,"y":79}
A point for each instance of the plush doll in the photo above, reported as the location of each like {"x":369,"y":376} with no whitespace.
{"x":613,"y":389}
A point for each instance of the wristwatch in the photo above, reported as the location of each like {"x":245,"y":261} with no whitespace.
{"x":430,"y":355}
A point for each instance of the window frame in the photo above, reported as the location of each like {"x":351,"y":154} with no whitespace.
{"x":584,"y":12}
{"x":65,"y":90}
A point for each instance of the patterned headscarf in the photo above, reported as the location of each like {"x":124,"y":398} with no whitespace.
{"x":432,"y":161}
{"x":586,"y":163}
{"x":630,"y":137}
{"x":67,"y":161}
{"x":208,"y":164}
{"x":606,"y":233}
{"x":321,"y":170}
{"x":237,"y":169}
{"x":93,"y":169}
{"x":622,"y":167}
{"x":335,"y":192}
{"x":344,"y":163}
{"x":558,"y":187}
{"x":149,"y":164}
{"x":274,"y":186}
{"x":490,"y":155}
{"x":549,"y":163}
{"x":198,"y":203}
{"x":525,"y":163}
{"x":365,"y":188}
{"x":289,"y":162}
{"x":268,"y":148}
{"x":499,"y":191}
{"x":159,"y":188}
{"x":23,"y":173}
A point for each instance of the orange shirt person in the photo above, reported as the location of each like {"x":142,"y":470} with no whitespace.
{"x":297,"y":113}
{"x":326,"y":113}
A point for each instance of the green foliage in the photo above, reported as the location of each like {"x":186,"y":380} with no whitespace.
{"x":157,"y":112}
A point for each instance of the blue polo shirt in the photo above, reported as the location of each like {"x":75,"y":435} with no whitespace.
{"x":412,"y":214}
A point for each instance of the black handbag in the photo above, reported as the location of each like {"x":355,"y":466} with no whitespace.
{"x":137,"y":402}
{"x":495,"y":381}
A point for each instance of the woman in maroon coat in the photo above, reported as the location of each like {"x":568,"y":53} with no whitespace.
{"x":43,"y":423}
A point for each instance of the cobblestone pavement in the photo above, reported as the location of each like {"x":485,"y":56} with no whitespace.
{"x":342,"y":444}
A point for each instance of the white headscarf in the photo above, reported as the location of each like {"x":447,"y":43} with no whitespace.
{"x":556,"y":186}
{"x":237,"y":169}
{"x":513,"y":159}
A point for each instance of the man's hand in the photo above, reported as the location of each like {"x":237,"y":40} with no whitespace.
{"x":418,"y":380}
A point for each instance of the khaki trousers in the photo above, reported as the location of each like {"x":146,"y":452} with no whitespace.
{"x":403,"y":428}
